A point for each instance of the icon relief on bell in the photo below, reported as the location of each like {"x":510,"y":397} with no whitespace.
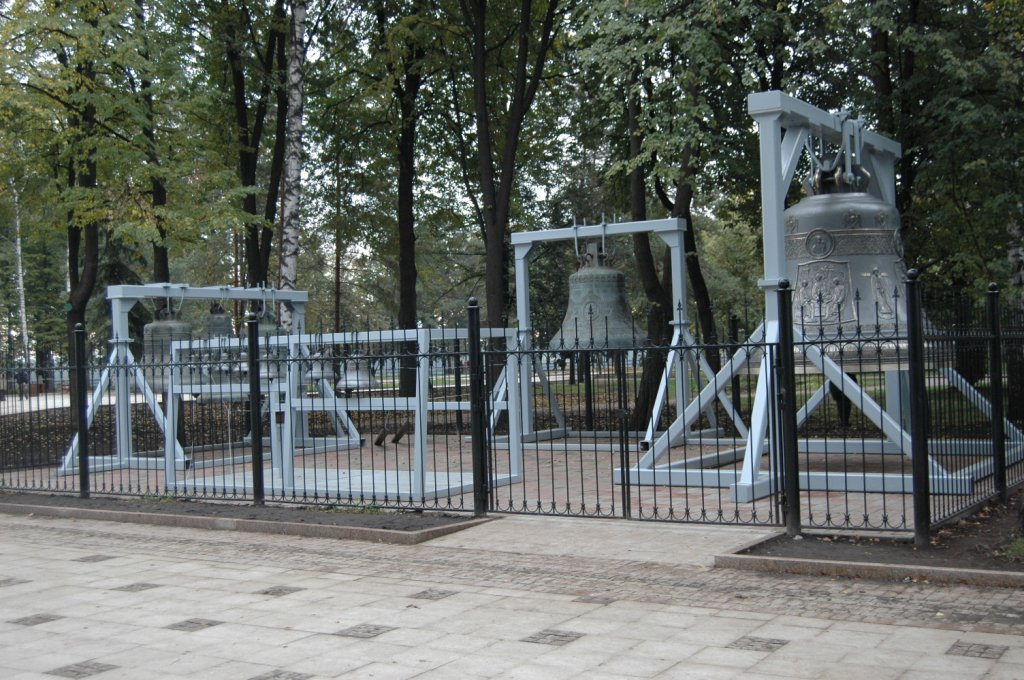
{"x":897,"y":244}
{"x":880,"y":293}
{"x":822,"y":292}
{"x":852,"y":219}
{"x":819,"y":243}
{"x":791,"y":224}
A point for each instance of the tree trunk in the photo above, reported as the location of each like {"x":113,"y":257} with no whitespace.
{"x":498,"y":180}
{"x":681,"y":207}
{"x":407,"y":273}
{"x":660,"y":299}
{"x":19,"y":274}
{"x":270,"y":207}
{"x":258,"y":237}
{"x":698,"y":286}
{"x":83,"y":256}
{"x":407,"y":90}
{"x":290,"y":206}
{"x":158,"y":188}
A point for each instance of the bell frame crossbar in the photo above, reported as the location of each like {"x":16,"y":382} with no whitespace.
{"x":671,"y":231}
{"x":122,"y":367}
{"x":786,"y":126}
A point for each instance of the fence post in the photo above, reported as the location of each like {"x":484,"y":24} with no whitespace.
{"x":918,"y":414}
{"x":82,"y":409}
{"x":255,"y":416}
{"x":458,"y":384}
{"x":481,"y":476}
{"x":734,"y":345}
{"x":786,"y":389}
{"x":995,"y":379}
{"x":621,"y":397}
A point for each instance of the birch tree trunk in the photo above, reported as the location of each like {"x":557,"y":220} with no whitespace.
{"x":290,"y":214}
{"x":19,"y":274}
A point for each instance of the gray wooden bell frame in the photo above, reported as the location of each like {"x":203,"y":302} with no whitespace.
{"x":679,"y":362}
{"x":785,"y":126}
{"x":289,"y":435}
{"x":121,"y":367}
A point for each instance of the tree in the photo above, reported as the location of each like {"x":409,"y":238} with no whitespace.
{"x":508,"y":48}
{"x":51,"y":66}
{"x":945,"y":80}
{"x":252,"y":45}
{"x":290,"y":215}
{"x":665,"y":64}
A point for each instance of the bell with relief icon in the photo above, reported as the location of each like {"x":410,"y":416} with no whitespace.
{"x":597,"y":316}
{"x":845,"y":257}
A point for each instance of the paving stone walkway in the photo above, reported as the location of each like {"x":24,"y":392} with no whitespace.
{"x":520,"y":597}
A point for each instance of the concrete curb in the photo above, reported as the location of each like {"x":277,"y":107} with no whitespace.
{"x":872,"y":570}
{"x":247,"y":525}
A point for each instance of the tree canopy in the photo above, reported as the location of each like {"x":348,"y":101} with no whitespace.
{"x":151,"y":140}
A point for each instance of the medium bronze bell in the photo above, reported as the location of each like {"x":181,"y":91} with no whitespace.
{"x":845,"y":257}
{"x":598,"y":316}
{"x":157,"y":337}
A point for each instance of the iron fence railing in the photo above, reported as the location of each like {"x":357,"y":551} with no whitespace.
{"x":480,"y":420}
{"x":636,"y":433}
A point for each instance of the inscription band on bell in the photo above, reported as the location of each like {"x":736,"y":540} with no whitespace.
{"x":819,"y":243}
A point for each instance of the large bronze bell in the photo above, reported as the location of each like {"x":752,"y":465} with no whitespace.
{"x":845,"y":257}
{"x":598,"y":316}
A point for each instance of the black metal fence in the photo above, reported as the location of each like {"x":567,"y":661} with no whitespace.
{"x":473,"y":420}
{"x":903,"y":426}
{"x":584,"y":441}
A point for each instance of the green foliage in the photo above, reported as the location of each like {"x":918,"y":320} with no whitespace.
{"x":729,"y":243}
{"x":947,"y":80}
{"x":943,"y":77}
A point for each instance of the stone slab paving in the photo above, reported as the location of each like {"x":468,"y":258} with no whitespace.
{"x":521,"y":597}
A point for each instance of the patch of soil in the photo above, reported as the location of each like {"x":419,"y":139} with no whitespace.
{"x":396,"y":520}
{"x":977,"y":542}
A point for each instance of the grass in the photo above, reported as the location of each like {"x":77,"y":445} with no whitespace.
{"x":1015,"y":549}
{"x":352,"y":509}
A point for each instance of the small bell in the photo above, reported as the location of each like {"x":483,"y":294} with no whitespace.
{"x":356,"y":375}
{"x":218,"y":323}
{"x":320,"y":368}
{"x":268,"y":326}
{"x":598,"y":316}
{"x":270,"y":368}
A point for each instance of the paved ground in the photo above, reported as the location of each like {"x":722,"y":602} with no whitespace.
{"x":519,"y":597}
